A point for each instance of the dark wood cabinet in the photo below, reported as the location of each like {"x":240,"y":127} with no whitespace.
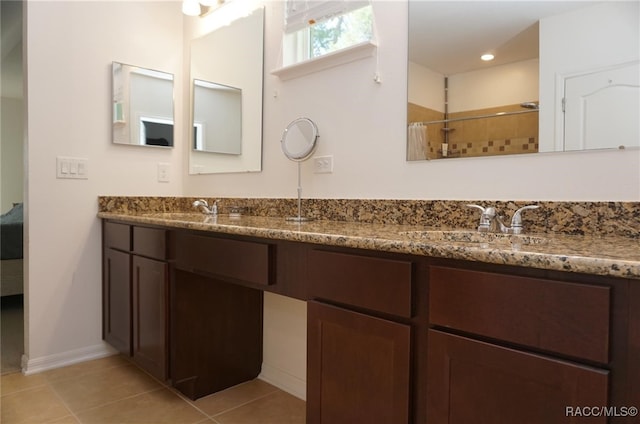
{"x":216,"y":303}
{"x":550,"y":315}
{"x":216,"y":338}
{"x":135,"y":294}
{"x":528,"y":347}
{"x":358,"y":367}
{"x":358,"y":354}
{"x":116,"y":298}
{"x":473,"y":382}
{"x":391,"y":338}
{"x":150,"y":287}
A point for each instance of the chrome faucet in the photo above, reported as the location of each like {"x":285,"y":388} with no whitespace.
{"x":487,"y":223}
{"x":489,"y":220}
{"x":516,"y":221}
{"x":203,"y":206}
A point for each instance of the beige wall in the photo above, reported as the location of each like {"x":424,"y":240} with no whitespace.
{"x":362,"y":124}
{"x":70,"y":47}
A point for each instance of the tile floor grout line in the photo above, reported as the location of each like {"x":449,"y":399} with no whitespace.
{"x":82,"y":411}
{"x":193,"y":402}
{"x":89,"y":372}
{"x":55,"y":392}
{"x":23,"y":390}
{"x":242,"y":404}
{"x":188,"y":401}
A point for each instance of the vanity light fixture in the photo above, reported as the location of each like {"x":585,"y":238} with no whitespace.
{"x":200,"y":7}
{"x":190,"y":7}
{"x":487,"y":57}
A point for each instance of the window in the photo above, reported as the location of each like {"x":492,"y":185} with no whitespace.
{"x":315,"y":28}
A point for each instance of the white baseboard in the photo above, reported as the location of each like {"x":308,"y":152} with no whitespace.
{"x":281,"y":379}
{"x":284,"y":381}
{"x":58,"y":360}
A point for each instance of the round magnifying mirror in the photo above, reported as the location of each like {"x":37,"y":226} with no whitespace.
{"x":299,"y":139}
{"x":298,"y":142}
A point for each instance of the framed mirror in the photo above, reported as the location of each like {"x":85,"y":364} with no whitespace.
{"x":564,"y":77}
{"x":142,"y":106}
{"x":226,"y":97}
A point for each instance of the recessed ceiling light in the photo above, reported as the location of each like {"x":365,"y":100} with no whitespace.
{"x":486,"y":57}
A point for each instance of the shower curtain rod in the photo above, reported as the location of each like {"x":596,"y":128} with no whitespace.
{"x":493,"y":115}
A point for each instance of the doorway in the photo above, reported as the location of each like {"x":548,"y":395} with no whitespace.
{"x":11,"y":188}
{"x":601,"y":109}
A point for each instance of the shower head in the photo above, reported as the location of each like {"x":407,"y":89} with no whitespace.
{"x":530,"y":105}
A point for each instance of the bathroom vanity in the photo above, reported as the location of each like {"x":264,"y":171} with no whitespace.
{"x":400,"y":330}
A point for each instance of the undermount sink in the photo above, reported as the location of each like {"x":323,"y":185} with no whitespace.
{"x":468,"y":236}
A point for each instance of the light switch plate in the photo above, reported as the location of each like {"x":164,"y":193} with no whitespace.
{"x":72,"y":168}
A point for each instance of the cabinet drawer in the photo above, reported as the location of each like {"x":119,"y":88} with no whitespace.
{"x":374,"y":283}
{"x":566,"y":318}
{"x":234,"y":259}
{"x":117,"y":236}
{"x":150,"y":242}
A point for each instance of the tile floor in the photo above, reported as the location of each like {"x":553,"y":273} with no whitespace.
{"x":113,"y":391}
{"x":11,"y":333}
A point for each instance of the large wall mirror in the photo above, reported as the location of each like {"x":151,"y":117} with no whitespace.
{"x":565,"y":76}
{"x":142,"y":106}
{"x":226,"y":93}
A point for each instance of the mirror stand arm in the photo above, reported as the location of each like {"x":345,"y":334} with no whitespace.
{"x":299,"y":218}
{"x":299,"y":194}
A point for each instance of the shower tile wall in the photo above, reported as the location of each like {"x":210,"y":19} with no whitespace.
{"x":481,"y":137}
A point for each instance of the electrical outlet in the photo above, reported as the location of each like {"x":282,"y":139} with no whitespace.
{"x":323,"y":164}
{"x":163,"y":172}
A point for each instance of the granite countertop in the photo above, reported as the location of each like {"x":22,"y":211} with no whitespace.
{"x":599,"y":255}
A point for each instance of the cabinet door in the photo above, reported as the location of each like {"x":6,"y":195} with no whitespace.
{"x":358,"y":367}
{"x":471,"y":382}
{"x":216,"y":334}
{"x":116,"y":298}
{"x":150,"y":315}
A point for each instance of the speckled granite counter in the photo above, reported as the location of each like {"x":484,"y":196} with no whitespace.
{"x":592,"y":254}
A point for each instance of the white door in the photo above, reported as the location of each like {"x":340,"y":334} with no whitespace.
{"x":602,"y":109}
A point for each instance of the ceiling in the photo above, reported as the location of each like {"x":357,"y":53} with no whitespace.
{"x":450,"y":36}
{"x":445,"y":36}
{"x":11,"y":48}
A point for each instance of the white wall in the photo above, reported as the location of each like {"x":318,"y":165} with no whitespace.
{"x":479,"y":89}
{"x":496,"y":86}
{"x":70,"y":47}
{"x":585,"y":40}
{"x":362,"y":124}
{"x":427,"y":87}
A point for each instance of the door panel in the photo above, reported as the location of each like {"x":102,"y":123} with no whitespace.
{"x":358,"y":367}
{"x":602,"y":109}
{"x":117,"y":300}
{"x":150,"y":315}
{"x":472,"y":382}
